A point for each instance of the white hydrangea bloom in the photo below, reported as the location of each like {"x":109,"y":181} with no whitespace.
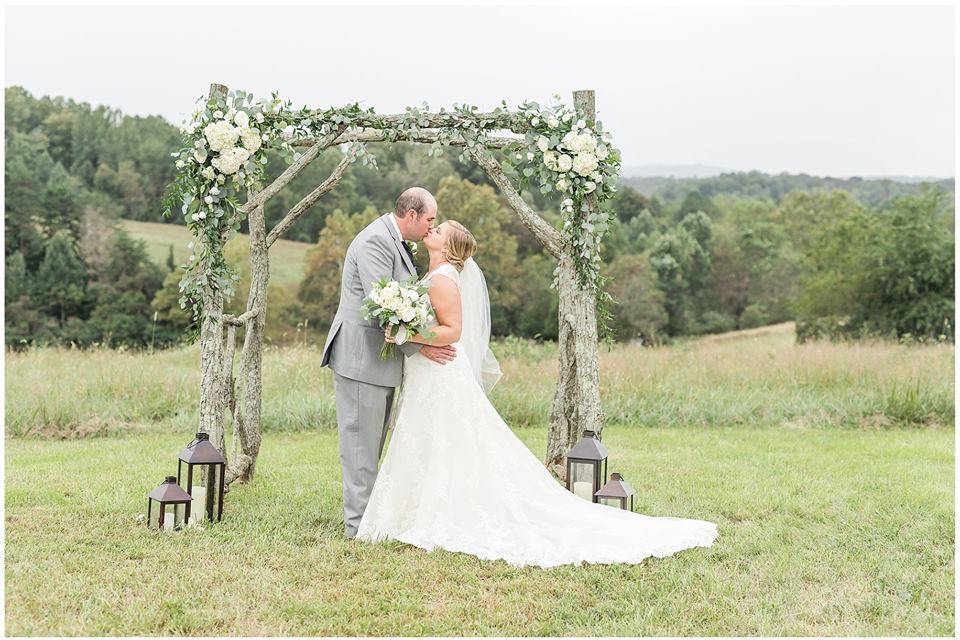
{"x":250,"y":139}
{"x":221,"y":135}
{"x":585,"y":163}
{"x":230,"y":160}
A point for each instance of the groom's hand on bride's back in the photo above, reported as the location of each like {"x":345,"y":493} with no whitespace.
{"x":440,"y":355}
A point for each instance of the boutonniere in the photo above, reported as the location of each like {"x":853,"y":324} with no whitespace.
{"x":411,"y":245}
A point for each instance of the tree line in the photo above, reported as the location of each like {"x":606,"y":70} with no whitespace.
{"x":844,"y":259}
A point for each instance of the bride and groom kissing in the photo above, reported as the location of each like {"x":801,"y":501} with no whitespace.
{"x":455,"y":476}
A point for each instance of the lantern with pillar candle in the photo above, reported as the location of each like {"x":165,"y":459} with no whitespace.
{"x":167,"y":506}
{"x":587,"y":466}
{"x":205,"y":466}
{"x":616,"y":493}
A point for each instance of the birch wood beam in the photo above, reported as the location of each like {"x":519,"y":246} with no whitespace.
{"x":546,"y":234}
{"x":242,"y":319}
{"x":292,"y":171}
{"x":422,"y":136}
{"x":309,"y":200}
{"x":509,"y":120}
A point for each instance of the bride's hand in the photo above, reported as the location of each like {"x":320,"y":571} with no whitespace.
{"x":386,"y":335}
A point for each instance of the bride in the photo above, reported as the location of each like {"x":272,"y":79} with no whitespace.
{"x":456,"y":477}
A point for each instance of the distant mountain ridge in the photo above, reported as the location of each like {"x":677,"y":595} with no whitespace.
{"x":756,"y":184}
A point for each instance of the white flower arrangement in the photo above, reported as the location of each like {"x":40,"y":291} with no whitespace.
{"x":572,"y":155}
{"x":405,"y":306}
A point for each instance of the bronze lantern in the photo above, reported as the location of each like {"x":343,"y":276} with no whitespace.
{"x":167,"y":506}
{"x":616,"y":493}
{"x":202,"y":458}
{"x":587,"y":466}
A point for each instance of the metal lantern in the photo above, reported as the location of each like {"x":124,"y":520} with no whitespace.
{"x":587,"y":466}
{"x":616,"y":493}
{"x":201,"y":457}
{"x":167,"y":506}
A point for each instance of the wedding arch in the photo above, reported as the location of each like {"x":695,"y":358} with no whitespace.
{"x":555,"y":148}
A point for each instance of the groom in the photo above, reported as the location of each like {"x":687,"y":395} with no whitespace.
{"x":363,"y":383}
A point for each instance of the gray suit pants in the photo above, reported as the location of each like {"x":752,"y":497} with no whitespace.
{"x":362,"y":412}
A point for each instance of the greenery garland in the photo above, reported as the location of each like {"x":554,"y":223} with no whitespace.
{"x":225,"y":147}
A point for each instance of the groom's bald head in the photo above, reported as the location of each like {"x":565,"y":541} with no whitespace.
{"x":417,"y":200}
{"x":416,"y":213}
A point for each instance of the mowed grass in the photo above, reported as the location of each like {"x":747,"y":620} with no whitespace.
{"x":822,"y":532}
{"x":828,"y":468}
{"x":287,"y":257}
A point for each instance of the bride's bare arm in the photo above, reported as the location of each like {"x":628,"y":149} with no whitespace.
{"x":445,"y":298}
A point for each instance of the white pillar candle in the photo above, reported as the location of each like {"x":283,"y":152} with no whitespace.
{"x":198,"y":507}
{"x":584,"y":490}
{"x":168,"y":521}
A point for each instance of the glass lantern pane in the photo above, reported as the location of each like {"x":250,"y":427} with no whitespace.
{"x":611,"y":502}
{"x":171,"y":516}
{"x":154,"y":522}
{"x":204,"y":493}
{"x":581,"y":480}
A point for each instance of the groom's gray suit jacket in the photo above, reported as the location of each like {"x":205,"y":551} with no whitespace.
{"x":353,"y":344}
{"x":363,"y":383}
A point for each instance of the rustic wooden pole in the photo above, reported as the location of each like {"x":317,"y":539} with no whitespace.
{"x":247,"y":408}
{"x":211,"y":345}
{"x":576,"y":403}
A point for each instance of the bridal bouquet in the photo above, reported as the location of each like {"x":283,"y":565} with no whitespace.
{"x":405,"y":306}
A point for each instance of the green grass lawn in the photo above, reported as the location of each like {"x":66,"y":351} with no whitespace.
{"x":828,"y":468}
{"x":822,"y":532}
{"x":287,"y":257}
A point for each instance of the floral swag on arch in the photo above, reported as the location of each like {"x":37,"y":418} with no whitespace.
{"x":225,"y":153}
{"x":556,"y":148}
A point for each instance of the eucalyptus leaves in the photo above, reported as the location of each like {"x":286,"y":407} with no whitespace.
{"x":225,"y":153}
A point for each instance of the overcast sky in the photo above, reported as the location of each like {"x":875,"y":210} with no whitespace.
{"x":854,"y":90}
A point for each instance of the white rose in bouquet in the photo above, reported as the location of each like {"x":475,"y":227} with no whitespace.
{"x":564,"y":163}
{"x":407,"y":313}
{"x":208,"y":173}
{"x":241,"y":119}
{"x":543,"y":143}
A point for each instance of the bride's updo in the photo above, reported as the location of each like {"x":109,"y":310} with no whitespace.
{"x":460,"y":244}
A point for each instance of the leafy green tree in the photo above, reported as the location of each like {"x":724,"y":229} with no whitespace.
{"x":478,"y":208}
{"x":61,"y":281}
{"x":639,"y":311}
{"x":15,"y":278}
{"x":886,"y":272}
{"x":319,"y":290}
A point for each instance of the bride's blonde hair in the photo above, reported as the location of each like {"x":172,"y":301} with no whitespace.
{"x":460,"y":244}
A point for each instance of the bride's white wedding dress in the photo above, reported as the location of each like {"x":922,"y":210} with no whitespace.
{"x":456,"y":477}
